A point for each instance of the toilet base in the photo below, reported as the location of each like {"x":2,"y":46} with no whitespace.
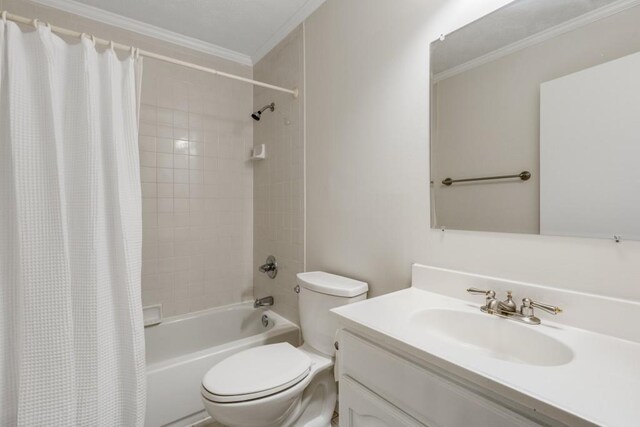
{"x":319,"y":402}
{"x":309,"y":403}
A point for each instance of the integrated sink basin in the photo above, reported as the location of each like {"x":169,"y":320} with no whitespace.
{"x":492,"y":336}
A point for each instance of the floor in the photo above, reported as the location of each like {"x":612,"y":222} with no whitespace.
{"x":335,"y":422}
{"x":206,"y":423}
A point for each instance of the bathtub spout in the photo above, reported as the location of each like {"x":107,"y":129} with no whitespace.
{"x":263,"y":302}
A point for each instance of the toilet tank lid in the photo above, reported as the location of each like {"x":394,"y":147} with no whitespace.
{"x":331,"y":284}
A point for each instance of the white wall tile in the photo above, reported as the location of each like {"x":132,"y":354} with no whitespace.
{"x":165,"y":205}
{"x":147,"y":143}
{"x":164,"y":175}
{"x":181,"y":176}
{"x":149,"y":206}
{"x":164,"y":131}
{"x":180,"y":119}
{"x":181,"y":190}
{"x":181,"y":146}
{"x":164,"y":160}
{"x":278,"y":207}
{"x":148,"y":174}
{"x":148,"y":158}
{"x":147,"y":129}
{"x":181,"y":134}
{"x":164,"y":145}
{"x":165,"y":116}
{"x":181,"y":161}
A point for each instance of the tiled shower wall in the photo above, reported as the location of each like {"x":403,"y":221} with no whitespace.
{"x":279,"y":179}
{"x":195,"y":139}
{"x":197,"y":184}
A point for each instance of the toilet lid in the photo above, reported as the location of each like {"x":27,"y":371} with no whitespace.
{"x":256,"y":372}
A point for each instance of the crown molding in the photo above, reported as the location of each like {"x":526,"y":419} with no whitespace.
{"x":565,"y":27}
{"x":298,"y":18}
{"x":145,"y":29}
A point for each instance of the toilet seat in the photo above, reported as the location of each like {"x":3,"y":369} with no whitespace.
{"x":255,"y":373}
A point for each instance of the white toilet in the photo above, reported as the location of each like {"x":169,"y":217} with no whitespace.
{"x":278,"y":384}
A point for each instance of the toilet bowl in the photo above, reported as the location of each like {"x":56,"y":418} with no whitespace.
{"x":278,"y":396}
{"x":278,"y":384}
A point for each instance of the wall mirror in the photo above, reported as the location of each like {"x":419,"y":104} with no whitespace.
{"x":535,"y":121}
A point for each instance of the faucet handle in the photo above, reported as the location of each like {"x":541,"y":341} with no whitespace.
{"x":476,"y":291}
{"x":528,"y":305}
{"x":490,"y":302}
{"x":270,"y":267}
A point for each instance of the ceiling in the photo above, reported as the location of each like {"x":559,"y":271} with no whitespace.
{"x":517,"y":21}
{"x":241,"y":30}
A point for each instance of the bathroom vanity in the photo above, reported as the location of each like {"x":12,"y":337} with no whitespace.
{"x":427,"y":355}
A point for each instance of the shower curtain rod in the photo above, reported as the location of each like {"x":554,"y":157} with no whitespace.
{"x":98,"y":41}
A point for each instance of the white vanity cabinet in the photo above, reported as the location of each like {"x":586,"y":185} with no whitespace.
{"x":436,"y":359}
{"x":360,"y":407}
{"x":380,"y":388}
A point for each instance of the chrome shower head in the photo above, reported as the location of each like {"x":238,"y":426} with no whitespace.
{"x":256,"y":116}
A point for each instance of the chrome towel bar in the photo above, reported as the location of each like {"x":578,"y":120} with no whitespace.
{"x":525,"y":175}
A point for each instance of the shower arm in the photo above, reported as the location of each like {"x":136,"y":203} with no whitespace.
{"x":271,"y":107}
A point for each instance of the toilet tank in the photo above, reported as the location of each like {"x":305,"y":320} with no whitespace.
{"x":319,"y":293}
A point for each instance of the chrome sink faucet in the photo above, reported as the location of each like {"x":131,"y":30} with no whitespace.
{"x":509,"y":309}
{"x":263,"y":302}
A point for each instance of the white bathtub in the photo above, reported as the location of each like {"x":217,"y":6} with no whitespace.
{"x":182,"y":349}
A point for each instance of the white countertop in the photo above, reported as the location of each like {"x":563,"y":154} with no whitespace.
{"x":600,"y":385}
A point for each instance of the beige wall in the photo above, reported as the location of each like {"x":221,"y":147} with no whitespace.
{"x":367,"y":92}
{"x":279,"y":180}
{"x":498,"y":104}
{"x":195,"y":137}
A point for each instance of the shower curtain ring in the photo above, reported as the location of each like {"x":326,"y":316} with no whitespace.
{"x":35,"y":23}
{"x":111,"y":45}
{"x":93,"y":40}
{"x":4,"y":16}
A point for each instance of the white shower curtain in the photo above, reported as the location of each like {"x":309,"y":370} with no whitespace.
{"x":71,"y":332}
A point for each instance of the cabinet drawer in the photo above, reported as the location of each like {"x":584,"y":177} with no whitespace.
{"x":360,"y":407}
{"x":425,"y":395}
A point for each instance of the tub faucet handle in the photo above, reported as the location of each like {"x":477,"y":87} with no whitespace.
{"x":270,"y":267}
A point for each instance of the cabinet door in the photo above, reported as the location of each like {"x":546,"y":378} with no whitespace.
{"x":360,"y":407}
